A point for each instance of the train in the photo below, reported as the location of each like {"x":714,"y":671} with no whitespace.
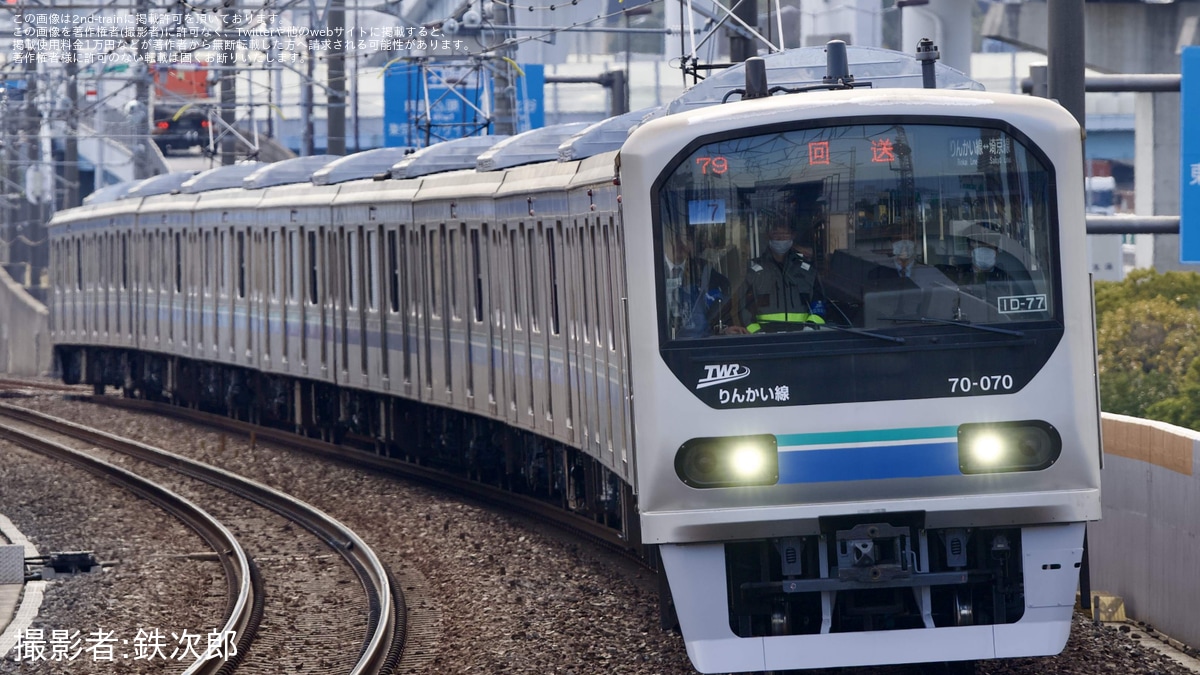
{"x":897,"y":469}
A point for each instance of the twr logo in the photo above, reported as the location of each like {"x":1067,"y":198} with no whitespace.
{"x":720,"y":374}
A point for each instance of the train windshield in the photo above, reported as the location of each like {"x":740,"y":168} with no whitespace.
{"x":875,"y":227}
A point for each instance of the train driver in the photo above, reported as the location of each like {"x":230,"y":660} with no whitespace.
{"x":780,"y":291}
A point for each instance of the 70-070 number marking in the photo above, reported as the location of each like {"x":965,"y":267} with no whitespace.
{"x":965,"y":385}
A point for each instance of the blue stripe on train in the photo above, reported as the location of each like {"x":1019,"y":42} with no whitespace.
{"x":851,"y":463}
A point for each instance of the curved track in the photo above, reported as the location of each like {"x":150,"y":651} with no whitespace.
{"x":385,"y":633}
{"x":245,"y":592}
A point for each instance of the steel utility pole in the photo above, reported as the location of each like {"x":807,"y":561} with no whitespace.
{"x":504,"y":116}
{"x":335,"y":96}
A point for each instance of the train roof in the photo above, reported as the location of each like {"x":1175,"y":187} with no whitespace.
{"x":220,"y":178}
{"x":535,"y":145}
{"x":159,"y":185}
{"x":295,"y":170}
{"x":360,"y":165}
{"x":603,"y":136}
{"x":459,"y":153}
{"x":110,"y":193}
{"x":796,"y":68}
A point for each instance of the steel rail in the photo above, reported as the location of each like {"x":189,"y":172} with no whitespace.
{"x":385,"y":629}
{"x":521,"y":504}
{"x":244,"y":595}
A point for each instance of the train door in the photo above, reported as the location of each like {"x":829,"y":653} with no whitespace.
{"x":93,"y":289}
{"x":330,"y":264}
{"x":374,"y":325}
{"x":293,"y":305}
{"x":175,"y":291}
{"x":618,"y":357}
{"x":479,"y":292}
{"x":540,"y":319}
{"x":458,"y":328}
{"x":105,"y":292}
{"x":312,"y":354}
{"x":522,"y":326}
{"x":275,"y":298}
{"x":243,"y":267}
{"x":557,"y":383}
{"x":416,"y":344}
{"x":393,"y":320}
{"x":261,"y":325}
{"x":573,"y":283}
{"x":154,"y":288}
{"x":225,"y":316}
{"x":187,"y":290}
{"x":503,"y":311}
{"x":606,"y":373}
{"x":436,"y":351}
{"x":210,"y":300}
{"x":354,"y":306}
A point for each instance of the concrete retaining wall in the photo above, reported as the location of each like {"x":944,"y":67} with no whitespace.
{"x":1147,"y":547}
{"x":24,"y":331}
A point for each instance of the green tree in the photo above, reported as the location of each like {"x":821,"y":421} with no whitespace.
{"x":1182,"y":409}
{"x":1148,"y":336}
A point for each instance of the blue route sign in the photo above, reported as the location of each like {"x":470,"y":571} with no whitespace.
{"x":446,"y":102}
{"x":1189,"y":153}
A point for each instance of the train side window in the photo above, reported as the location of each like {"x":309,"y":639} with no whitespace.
{"x":241,"y":264}
{"x":393,"y":272}
{"x":273,"y":256}
{"x":124,"y":261}
{"x":435,"y":270}
{"x":579,"y":255}
{"x":450,"y":257}
{"x":372,"y":280}
{"x":552,"y":255}
{"x":609,"y":281}
{"x":531,"y":257}
{"x":292,"y":269}
{"x":164,"y":260}
{"x":313,"y":269}
{"x":476,"y":278}
{"x":207,"y":261}
{"x":518,"y":281}
{"x":352,"y":277}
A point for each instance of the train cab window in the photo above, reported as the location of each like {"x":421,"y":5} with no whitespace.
{"x":878,"y":227}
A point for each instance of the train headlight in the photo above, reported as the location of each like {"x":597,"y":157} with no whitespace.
{"x":1007,"y":446}
{"x":730,"y":461}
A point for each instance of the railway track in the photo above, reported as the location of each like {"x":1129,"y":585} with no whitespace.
{"x":384,"y":633}
{"x":536,"y":509}
{"x":244,"y":586}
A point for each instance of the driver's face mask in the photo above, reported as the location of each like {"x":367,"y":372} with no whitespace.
{"x":779,"y":246}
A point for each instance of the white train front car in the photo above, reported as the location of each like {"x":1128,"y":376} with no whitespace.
{"x":906,"y":478}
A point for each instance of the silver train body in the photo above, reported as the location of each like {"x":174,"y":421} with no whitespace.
{"x":890,"y":483}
